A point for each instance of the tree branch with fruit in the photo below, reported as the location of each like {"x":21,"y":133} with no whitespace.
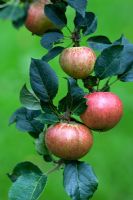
{"x":63,"y":132}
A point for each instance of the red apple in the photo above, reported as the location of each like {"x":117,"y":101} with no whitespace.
{"x":69,"y":141}
{"x":104,"y":111}
{"x":37,"y":22}
{"x":77,"y":62}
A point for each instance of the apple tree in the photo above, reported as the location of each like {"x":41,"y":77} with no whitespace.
{"x":63,"y":132}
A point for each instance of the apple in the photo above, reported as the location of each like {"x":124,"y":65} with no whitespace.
{"x":69,"y":141}
{"x":104,"y":111}
{"x":37,"y":22}
{"x":77,"y":62}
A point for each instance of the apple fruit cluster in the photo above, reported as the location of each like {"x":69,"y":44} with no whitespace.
{"x":70,"y":140}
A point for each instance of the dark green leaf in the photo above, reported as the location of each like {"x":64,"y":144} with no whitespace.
{"x":2,"y":2}
{"x":25,"y":121}
{"x":90,"y":82}
{"x":47,"y":158}
{"x":122,"y":40}
{"x":23,"y":168}
{"x":127,"y":76}
{"x":18,"y":22}
{"x":47,"y":118}
{"x":80,"y":107}
{"x":29,"y":184}
{"x":41,"y":147}
{"x":80,"y":181}
{"x":99,"y":42}
{"x":102,"y":42}
{"x":64,"y":103}
{"x":126,"y":59}
{"x":74,"y":100}
{"x":43,"y":79}
{"x":78,"y":102}
{"x":21,"y":113}
{"x":16,"y":13}
{"x":28,"y":100}
{"x":48,"y":107}
{"x":50,"y":38}
{"x":79,"y":6}
{"x":88,"y":24}
{"x":52,"y":53}
{"x":11,"y":12}
{"x":56,"y":13}
{"x":108,"y":63}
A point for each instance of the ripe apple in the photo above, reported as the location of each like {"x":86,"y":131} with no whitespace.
{"x":69,"y":141}
{"x":77,"y":62}
{"x":37,"y":22}
{"x":104,"y":111}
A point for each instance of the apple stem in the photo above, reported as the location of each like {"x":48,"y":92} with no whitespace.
{"x":66,"y":116}
{"x":58,"y":165}
{"x":98,"y":82}
{"x":107,"y":85}
{"x":76,"y":38}
{"x":55,"y":110}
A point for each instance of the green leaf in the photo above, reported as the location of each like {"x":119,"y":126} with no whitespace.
{"x":74,"y":100}
{"x":80,"y":107}
{"x":127,"y":76}
{"x":56,"y":13}
{"x":41,"y":147}
{"x":51,"y":38}
{"x":126,"y":59}
{"x":47,"y":118}
{"x":48,"y":107}
{"x":90,"y":82}
{"x":78,"y":102}
{"x":102,"y":42}
{"x":64,"y":103}
{"x":29,"y":183}
{"x":18,"y":22}
{"x":28,"y":100}
{"x":11,"y":12}
{"x":87,"y":24}
{"x":108,"y":63}
{"x":78,"y":5}
{"x":2,"y":2}
{"x":80,"y":181}
{"x":43,"y":79}
{"x":99,"y":42}
{"x":25,"y":121}
{"x":23,"y":168}
{"x":122,"y":40}
{"x":52,"y":53}
{"x":16,"y":13}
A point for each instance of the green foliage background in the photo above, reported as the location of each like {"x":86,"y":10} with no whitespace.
{"x":111,"y":155}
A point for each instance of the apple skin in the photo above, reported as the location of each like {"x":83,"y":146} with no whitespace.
{"x":77,"y":62}
{"x":68,"y":141}
{"x":104,"y":111}
{"x":37,"y":22}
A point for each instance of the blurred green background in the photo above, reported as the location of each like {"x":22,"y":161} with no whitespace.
{"x":112,"y":153}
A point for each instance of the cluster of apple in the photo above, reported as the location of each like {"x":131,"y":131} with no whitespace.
{"x":104,"y":110}
{"x":72,"y":140}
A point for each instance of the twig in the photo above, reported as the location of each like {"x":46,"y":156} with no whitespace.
{"x":55,"y":168}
